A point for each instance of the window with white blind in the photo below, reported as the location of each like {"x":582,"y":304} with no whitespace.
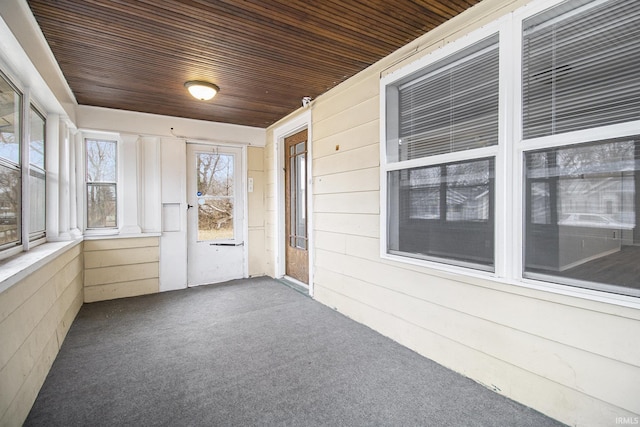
{"x":529,"y":138}
{"x":444,"y":211}
{"x":580,"y":67}
{"x":582,"y":198}
{"x":448,"y":107}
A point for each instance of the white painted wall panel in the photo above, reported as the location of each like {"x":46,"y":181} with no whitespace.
{"x":35,"y":315}
{"x":348,"y":182}
{"x":358,"y":224}
{"x":353,"y":138}
{"x":344,"y":161}
{"x":367,"y":202}
{"x":355,"y":116}
{"x":173,"y":244}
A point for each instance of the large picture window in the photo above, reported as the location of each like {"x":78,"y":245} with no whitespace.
{"x":101,"y":170}
{"x":521,"y":160}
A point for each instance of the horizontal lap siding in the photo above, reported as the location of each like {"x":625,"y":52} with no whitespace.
{"x":35,"y":316}
{"x":119,"y":268}
{"x":575,"y":360}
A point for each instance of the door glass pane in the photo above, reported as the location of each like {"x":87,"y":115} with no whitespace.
{"x":9,"y":204}
{"x":297,"y":178}
{"x":215,"y":196}
{"x":301,"y":213}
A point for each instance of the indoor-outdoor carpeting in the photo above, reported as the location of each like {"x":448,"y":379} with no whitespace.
{"x":251,"y":353}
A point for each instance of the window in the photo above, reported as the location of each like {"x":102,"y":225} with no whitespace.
{"x":10,"y":165}
{"x":22,"y":181}
{"x":544,"y":160}
{"x":37,"y":174}
{"x":581,"y":200}
{"x":444,"y":210}
{"x":101,"y":172}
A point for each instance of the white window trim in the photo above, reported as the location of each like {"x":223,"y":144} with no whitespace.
{"x":82,"y":170}
{"x":491,"y":151}
{"x":28,"y":102}
{"x":509,"y":155}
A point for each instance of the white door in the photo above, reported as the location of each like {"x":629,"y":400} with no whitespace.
{"x":215,"y":214}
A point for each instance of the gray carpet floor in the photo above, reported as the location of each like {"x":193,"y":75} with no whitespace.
{"x":251,"y":353}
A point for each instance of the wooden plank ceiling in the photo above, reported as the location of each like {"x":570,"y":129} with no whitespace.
{"x":265,"y":55}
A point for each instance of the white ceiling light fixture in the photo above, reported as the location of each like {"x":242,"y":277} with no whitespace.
{"x":203,"y":91}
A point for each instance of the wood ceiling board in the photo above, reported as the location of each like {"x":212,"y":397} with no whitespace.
{"x":264,"y":54}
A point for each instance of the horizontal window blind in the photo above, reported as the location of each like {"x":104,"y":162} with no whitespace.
{"x":580,"y":67}
{"x":453,"y":107}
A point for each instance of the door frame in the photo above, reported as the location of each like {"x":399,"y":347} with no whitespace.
{"x":295,"y":125}
{"x":245,"y":200}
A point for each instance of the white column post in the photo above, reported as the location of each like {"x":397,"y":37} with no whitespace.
{"x":150,"y":189}
{"x":64,"y":205}
{"x":74,"y":137}
{"x":128,"y":184}
{"x":52,"y":165}
{"x":80,"y":182}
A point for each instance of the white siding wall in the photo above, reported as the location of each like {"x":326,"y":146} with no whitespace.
{"x":119,"y":268}
{"x":574,"y":359}
{"x":36,"y":313}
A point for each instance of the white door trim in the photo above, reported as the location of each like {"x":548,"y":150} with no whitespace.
{"x":300,"y":122}
{"x":245,"y":196}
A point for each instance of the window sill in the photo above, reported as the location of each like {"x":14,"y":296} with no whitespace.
{"x":17,"y":267}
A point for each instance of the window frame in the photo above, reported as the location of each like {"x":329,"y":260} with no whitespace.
{"x":509,"y":157}
{"x":40,"y":237}
{"x":496,"y":152}
{"x":11,"y":248}
{"x":28,"y":104}
{"x":90,"y":231}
